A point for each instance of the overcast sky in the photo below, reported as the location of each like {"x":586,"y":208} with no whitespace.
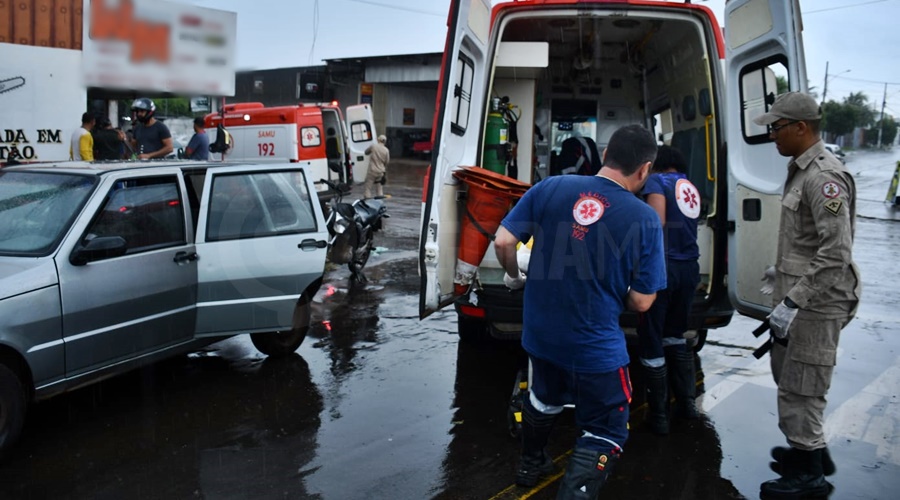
{"x":862,"y":36}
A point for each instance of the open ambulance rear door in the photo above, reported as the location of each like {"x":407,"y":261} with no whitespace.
{"x":361,"y":125}
{"x":461,"y":102}
{"x":764,"y":50}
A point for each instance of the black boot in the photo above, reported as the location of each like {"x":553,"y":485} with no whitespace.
{"x":534,"y":463}
{"x":586,"y":474}
{"x":778,"y":452}
{"x":657,"y":399}
{"x":684,"y":383}
{"x":802,"y":477}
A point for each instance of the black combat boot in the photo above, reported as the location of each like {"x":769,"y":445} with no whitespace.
{"x":802,"y":477}
{"x":586,"y":474}
{"x":778,"y":452}
{"x":684,"y":382}
{"x":657,"y":399}
{"x":534,"y":463}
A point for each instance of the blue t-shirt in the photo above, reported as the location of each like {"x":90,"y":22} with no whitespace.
{"x":593,"y":240}
{"x":198,"y":147}
{"x":682,"y":212}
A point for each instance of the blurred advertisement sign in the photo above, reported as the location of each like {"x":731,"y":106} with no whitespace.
{"x":199,"y":104}
{"x":155,"y":45}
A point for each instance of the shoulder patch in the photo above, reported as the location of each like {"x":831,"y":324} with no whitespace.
{"x":688,"y":198}
{"x":831,"y":190}
{"x":587,"y":210}
{"x":834,"y":206}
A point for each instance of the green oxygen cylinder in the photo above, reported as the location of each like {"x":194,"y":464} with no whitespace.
{"x":495,"y":138}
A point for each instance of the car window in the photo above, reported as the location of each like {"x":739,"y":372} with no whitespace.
{"x":37,"y":208}
{"x":259,"y":204}
{"x":147,"y":212}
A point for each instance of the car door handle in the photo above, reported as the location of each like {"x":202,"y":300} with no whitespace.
{"x":310,"y":244}
{"x":182,"y":257}
{"x":360,"y":158}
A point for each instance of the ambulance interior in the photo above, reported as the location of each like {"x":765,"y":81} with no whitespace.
{"x":588,"y":72}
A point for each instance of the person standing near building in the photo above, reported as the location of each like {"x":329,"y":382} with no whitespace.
{"x":152,"y":139}
{"x":664,"y":354}
{"x":816,"y":292}
{"x":379,"y":156}
{"x":108,"y":142}
{"x":198,"y":146}
{"x":81,"y":147}
{"x":597,"y":250}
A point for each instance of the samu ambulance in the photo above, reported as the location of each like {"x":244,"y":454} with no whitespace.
{"x":313,"y":134}
{"x":589,"y":67}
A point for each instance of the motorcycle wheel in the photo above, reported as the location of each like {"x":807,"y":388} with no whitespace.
{"x":361,"y":255}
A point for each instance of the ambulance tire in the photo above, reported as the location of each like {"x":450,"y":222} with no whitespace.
{"x":473,"y":329}
{"x":285,"y":343}
{"x":13,"y":407}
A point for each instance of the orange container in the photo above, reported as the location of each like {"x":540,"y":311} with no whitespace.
{"x":490,"y":195}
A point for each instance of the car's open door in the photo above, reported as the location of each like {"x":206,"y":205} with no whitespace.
{"x":261,"y":243}
{"x":361,"y":126}
{"x":456,"y":135}
{"x":764,"y":58}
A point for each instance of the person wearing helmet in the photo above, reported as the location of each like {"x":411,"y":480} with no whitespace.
{"x":152,"y":138}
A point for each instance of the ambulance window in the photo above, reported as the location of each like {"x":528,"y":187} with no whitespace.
{"x":310,"y":137}
{"x":462,"y":95}
{"x":360,"y":132}
{"x":760,"y":83}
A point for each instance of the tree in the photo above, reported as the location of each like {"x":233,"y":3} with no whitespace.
{"x":838,"y":119}
{"x":888,"y":133}
{"x":859,"y":102}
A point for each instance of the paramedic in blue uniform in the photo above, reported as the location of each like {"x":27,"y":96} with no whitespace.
{"x":597,"y":250}
{"x":816,"y":292}
{"x":663,"y":349}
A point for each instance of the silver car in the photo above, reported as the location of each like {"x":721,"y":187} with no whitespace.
{"x":105,"y":267}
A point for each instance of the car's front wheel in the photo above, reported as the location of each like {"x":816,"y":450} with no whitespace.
{"x":284,"y":343}
{"x":13,"y":406}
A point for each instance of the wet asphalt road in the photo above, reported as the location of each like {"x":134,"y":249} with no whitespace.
{"x":377,"y":404}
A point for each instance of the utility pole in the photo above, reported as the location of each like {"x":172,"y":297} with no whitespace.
{"x":825,"y":87}
{"x":881,"y":122}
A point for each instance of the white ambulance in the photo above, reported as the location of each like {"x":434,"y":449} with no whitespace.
{"x":592,"y":66}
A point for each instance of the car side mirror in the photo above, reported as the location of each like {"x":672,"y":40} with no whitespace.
{"x":103,"y":247}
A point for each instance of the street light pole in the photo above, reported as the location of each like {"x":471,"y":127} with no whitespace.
{"x":881,"y":121}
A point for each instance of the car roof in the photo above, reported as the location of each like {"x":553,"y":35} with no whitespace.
{"x":103,"y":167}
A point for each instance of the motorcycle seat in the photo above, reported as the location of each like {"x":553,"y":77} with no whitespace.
{"x":369,"y":210}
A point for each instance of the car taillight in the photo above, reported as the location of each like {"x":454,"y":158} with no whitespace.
{"x":475,"y":312}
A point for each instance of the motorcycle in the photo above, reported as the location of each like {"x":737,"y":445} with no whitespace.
{"x":352,"y":229}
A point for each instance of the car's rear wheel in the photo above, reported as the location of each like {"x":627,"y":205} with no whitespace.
{"x":284,"y":343}
{"x":13,"y":407}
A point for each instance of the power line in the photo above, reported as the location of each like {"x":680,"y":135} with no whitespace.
{"x":882,"y":82}
{"x":842,"y":7}
{"x":395,"y":7}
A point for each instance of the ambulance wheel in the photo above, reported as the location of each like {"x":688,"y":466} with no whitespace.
{"x":472,"y":329}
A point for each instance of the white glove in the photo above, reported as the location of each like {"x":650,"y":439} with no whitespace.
{"x":781,"y":318}
{"x":769,"y":279}
{"x":516,"y":283}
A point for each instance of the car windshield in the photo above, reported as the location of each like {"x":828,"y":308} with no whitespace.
{"x":36,"y":208}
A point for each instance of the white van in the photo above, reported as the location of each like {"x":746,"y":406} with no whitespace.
{"x":592,"y":67}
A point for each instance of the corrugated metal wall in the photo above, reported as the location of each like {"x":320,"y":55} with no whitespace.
{"x":42,"y":23}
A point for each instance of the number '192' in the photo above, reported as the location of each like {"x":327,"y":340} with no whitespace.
{"x":266,"y":149}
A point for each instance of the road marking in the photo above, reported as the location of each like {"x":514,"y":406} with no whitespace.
{"x":871,"y":416}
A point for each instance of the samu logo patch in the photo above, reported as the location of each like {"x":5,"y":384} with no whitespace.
{"x":588,"y":210}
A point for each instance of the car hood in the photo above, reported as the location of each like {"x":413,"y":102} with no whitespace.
{"x":20,"y":275}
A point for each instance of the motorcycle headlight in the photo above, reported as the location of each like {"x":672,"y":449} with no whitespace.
{"x":341,"y":225}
